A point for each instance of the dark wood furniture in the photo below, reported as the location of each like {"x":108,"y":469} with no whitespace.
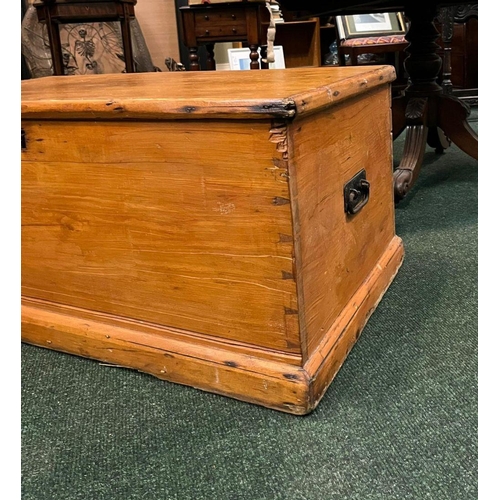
{"x":208,"y":24}
{"x":458,"y":26}
{"x":56,"y":12}
{"x":247,"y":22}
{"x":425,"y":111}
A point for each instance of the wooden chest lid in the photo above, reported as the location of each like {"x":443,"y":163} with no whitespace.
{"x":197,"y":94}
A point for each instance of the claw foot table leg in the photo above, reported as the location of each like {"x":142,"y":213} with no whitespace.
{"x":452,"y":119}
{"x":413,"y":153}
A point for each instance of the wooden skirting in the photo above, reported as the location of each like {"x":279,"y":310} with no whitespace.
{"x":273,"y":380}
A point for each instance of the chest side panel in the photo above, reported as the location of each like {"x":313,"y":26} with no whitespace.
{"x":337,"y":251}
{"x":185,"y":224}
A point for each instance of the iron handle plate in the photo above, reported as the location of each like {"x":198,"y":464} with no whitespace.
{"x":356,"y":193}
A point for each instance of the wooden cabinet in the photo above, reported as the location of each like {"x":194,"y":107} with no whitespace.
{"x":464,"y":55}
{"x":458,"y":27}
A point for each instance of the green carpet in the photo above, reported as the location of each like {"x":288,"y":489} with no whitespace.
{"x":398,"y":422}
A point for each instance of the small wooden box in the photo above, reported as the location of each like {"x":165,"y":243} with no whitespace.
{"x":196,"y":225}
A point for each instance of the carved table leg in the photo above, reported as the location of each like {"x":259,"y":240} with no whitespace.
{"x":452,"y":118}
{"x":194,"y":60}
{"x":429,"y":116}
{"x":210,"y":57}
{"x":414,"y":147}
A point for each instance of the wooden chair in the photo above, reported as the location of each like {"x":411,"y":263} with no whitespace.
{"x":57,"y":12}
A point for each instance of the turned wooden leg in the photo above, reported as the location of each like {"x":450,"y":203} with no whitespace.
{"x":354,"y":57}
{"x":263,"y":55}
{"x":341,"y":55}
{"x":254,"y":57}
{"x":210,"y":57}
{"x":452,"y":118}
{"x":194,"y":60}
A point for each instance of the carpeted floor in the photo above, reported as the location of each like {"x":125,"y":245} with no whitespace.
{"x":398,"y":422}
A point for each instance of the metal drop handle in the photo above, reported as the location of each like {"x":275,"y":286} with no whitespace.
{"x":356,"y":193}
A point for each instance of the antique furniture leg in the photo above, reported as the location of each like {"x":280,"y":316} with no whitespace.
{"x":128,"y":52}
{"x":253,"y":35}
{"x":425,"y":109}
{"x":44,"y":15}
{"x":452,"y":119}
{"x":416,"y":115}
{"x":254,"y":57}
{"x":194,"y":59}
{"x":263,"y":56}
{"x":210,"y":57}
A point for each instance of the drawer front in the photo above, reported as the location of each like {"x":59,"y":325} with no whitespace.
{"x":220,"y":24}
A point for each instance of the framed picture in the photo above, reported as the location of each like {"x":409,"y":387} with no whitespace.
{"x":377,"y":24}
{"x":240,"y":58}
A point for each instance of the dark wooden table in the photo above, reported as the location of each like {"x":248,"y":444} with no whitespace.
{"x":428,"y":115}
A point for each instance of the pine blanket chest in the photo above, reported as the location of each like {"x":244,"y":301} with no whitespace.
{"x":230,"y":231}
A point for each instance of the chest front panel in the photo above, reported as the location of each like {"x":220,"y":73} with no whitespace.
{"x":184,"y":224}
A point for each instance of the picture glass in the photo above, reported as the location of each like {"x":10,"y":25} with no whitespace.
{"x":379,"y":23}
{"x":372,"y":22}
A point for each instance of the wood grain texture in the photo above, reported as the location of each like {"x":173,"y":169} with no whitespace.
{"x":212,"y":252}
{"x":300,"y":41}
{"x":220,"y":370}
{"x":275,"y":383}
{"x":327,"y":359}
{"x":337,"y":250}
{"x":154,"y":222}
{"x":185,"y":94}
